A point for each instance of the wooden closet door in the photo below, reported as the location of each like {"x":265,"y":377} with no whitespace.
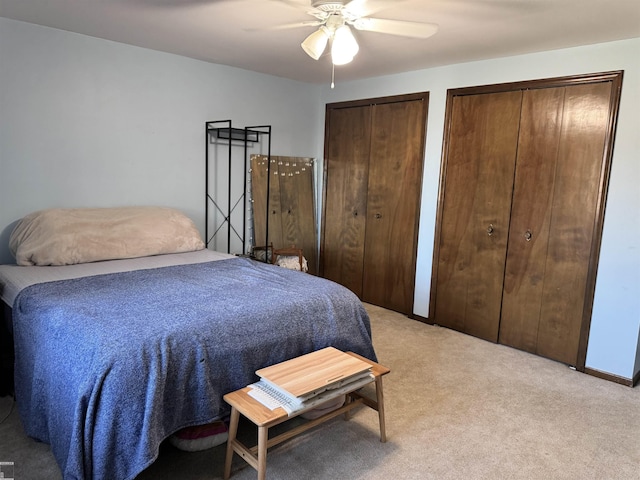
{"x":475,"y":199}
{"x":540,"y":126}
{"x":393,"y":200}
{"x":578,"y":186}
{"x":555,"y":302}
{"x":345,"y":208}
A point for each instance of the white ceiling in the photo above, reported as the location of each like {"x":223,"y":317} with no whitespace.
{"x":236,"y":32}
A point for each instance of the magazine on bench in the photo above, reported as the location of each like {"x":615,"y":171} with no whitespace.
{"x":306,"y":381}
{"x":273,"y":397}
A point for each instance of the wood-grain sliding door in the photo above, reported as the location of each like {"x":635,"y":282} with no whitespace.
{"x":542,"y":112}
{"x":559,"y":174}
{"x":476,"y":206}
{"x":345,"y":204}
{"x":524,"y":181}
{"x":393,"y":201}
{"x":373,"y":178}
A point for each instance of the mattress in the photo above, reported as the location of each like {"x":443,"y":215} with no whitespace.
{"x":13,"y":278}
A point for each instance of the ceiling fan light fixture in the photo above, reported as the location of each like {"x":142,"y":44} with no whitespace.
{"x":315,"y":43}
{"x":344,"y":46}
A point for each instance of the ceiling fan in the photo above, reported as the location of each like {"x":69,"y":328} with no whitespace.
{"x":334,"y":20}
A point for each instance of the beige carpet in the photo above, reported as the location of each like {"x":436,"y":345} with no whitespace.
{"x":457,"y":408}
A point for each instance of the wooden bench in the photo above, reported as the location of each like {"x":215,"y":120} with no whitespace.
{"x":264,"y":418}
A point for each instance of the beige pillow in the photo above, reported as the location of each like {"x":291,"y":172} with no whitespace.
{"x":68,"y":236}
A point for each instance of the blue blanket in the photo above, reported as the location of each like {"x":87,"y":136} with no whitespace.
{"x":108,"y":366}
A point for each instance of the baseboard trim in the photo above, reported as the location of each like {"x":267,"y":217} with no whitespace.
{"x":421,"y":319}
{"x":629,"y":382}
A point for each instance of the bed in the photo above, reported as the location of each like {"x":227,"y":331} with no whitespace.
{"x":113,"y":356}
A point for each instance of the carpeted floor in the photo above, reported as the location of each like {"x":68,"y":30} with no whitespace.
{"x":457,"y":408}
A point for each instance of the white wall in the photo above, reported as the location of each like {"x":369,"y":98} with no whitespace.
{"x":89,"y":122}
{"x":614,"y":337}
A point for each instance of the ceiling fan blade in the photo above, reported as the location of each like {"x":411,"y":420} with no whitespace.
{"x":364,"y":8}
{"x":288,"y":26}
{"x":304,"y":6}
{"x":396,"y":27}
{"x":299,"y":4}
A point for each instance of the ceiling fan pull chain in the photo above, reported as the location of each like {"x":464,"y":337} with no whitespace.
{"x":333,"y":74}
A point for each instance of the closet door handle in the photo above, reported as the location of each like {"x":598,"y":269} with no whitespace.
{"x":378,"y":215}
{"x":528,"y":235}
{"x":490,"y":229}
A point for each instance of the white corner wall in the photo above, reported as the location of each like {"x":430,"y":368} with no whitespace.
{"x":615,"y":327}
{"x":89,"y":122}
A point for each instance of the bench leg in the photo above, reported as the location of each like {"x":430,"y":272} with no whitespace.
{"x":380,"y":401}
{"x":348,"y":399}
{"x":263,"y":436}
{"x":233,"y":430}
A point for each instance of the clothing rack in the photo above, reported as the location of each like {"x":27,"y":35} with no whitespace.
{"x":223,"y":132}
